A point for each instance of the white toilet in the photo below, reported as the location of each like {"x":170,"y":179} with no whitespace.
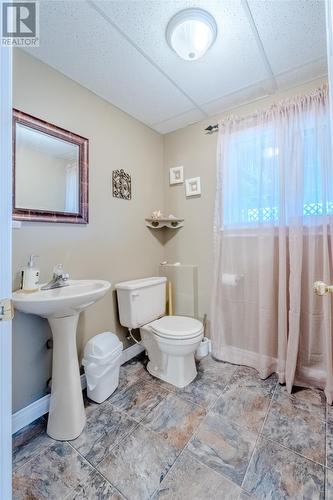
{"x":170,"y":341}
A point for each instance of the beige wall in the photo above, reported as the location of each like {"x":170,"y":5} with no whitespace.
{"x":196,"y":151}
{"x":115,"y":245}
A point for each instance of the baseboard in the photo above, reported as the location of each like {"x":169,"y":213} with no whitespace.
{"x":131,"y":352}
{"x":40,"y":407}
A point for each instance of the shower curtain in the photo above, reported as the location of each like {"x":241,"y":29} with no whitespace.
{"x":273,"y":239}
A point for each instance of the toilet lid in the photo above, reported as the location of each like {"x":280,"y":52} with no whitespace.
{"x":177,"y":327}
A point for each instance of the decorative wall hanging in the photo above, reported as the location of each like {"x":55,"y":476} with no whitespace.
{"x":121,"y":185}
{"x":176,"y":175}
{"x":193,"y":186}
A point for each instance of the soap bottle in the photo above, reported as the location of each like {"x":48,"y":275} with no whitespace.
{"x":30,"y":276}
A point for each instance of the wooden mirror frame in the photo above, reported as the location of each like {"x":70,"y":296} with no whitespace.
{"x":26,"y":214}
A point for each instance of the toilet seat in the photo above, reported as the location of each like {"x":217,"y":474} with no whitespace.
{"x":177,"y":327}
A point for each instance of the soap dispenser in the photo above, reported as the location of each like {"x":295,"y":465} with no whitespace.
{"x":30,"y":276}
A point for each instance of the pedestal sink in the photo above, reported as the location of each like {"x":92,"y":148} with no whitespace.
{"x":62,"y":306}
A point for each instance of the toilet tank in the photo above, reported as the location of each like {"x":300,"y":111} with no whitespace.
{"x":141,"y":301}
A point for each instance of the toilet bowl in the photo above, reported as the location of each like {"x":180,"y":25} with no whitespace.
{"x":170,"y":341}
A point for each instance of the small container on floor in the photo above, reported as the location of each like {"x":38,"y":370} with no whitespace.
{"x":102,"y":359}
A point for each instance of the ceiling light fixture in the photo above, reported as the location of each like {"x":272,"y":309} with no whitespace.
{"x":191,"y":32}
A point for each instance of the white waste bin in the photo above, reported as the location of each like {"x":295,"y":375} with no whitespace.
{"x":102,"y":359}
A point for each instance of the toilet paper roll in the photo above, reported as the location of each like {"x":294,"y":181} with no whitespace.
{"x":231,"y":279}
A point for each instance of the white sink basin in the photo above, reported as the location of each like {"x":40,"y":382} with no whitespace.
{"x":60,"y":302}
{"x":62,"y":306}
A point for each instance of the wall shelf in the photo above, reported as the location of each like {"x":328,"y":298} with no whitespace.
{"x":159,"y":223}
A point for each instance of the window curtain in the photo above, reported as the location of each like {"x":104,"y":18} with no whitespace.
{"x":273,"y":239}
{"x":72,"y":188}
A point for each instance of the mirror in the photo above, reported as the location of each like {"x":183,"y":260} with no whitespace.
{"x":50,"y":172}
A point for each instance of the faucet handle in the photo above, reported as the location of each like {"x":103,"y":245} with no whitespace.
{"x":58,"y":272}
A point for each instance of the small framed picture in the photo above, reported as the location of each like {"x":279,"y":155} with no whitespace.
{"x":176,"y":175}
{"x":193,"y":186}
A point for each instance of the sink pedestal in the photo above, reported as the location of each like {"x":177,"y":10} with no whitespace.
{"x":66,"y":415}
{"x":62,"y":306}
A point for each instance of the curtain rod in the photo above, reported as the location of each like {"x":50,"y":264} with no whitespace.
{"x":211,"y":129}
{"x":287,"y":102}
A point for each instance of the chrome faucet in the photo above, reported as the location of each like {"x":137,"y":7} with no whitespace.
{"x":60,"y":279}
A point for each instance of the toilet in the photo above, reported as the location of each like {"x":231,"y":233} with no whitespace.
{"x":170,"y":341}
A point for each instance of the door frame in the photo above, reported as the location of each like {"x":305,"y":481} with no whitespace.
{"x":5,"y":270}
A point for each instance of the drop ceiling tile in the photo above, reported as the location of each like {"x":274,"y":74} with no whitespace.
{"x":233,"y":60}
{"x":293,"y":32}
{"x":302,"y":74}
{"x":80,"y":43}
{"x":118,"y":50}
{"x":239,"y":97}
{"x":180,"y":121}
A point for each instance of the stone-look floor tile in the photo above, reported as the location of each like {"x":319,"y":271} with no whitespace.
{"x":244,"y":496}
{"x":131,"y":372}
{"x":189,"y":479}
{"x":312,"y":400}
{"x":245,"y":407}
{"x":175,"y":419}
{"x":329,"y":412}
{"x":138,"y":399}
{"x":295,"y":428}
{"x":246,"y":399}
{"x":52,"y":474}
{"x":329,"y":443}
{"x":137,"y":465}
{"x":95,"y":488}
{"x":223,"y":446}
{"x":89,"y":405}
{"x":211,"y":379}
{"x":329,"y":485}
{"x":29,"y":441}
{"x":277,"y":473}
{"x":248,"y":378}
{"x":105,"y":427}
{"x":219,"y":370}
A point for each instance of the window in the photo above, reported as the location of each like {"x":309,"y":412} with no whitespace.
{"x":271,"y":175}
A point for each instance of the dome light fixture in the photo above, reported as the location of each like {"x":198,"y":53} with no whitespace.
{"x":191,"y":32}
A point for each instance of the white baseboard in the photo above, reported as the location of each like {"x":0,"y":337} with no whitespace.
{"x":131,"y":352}
{"x":40,"y":407}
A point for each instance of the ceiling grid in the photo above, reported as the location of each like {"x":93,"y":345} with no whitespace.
{"x":262,"y":46}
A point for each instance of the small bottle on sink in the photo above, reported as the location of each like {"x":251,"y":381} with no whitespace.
{"x":30,"y":276}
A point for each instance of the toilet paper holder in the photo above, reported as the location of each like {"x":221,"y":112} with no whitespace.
{"x":321,"y":288}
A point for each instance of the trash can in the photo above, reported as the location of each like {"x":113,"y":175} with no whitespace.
{"x":102,"y":359}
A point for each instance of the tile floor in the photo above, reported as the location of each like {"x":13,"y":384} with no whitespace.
{"x":228,"y":435}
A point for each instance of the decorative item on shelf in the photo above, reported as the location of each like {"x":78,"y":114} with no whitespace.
{"x":176,"y":175}
{"x":121,"y":185}
{"x":157,"y":214}
{"x":157,"y":220}
{"x":193,"y":186}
